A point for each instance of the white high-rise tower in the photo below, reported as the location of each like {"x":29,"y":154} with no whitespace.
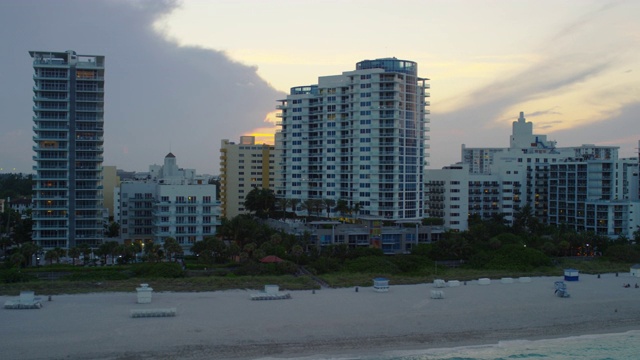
{"x":358,"y":137}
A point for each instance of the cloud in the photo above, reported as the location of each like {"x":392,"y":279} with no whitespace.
{"x":158,"y":94}
{"x":569,"y":73}
{"x":607,"y":132}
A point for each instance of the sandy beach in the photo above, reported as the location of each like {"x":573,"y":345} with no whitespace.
{"x":227,"y":324}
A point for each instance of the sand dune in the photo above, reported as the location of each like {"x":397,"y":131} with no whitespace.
{"x":227,"y":324}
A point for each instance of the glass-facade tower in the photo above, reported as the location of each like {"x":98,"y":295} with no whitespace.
{"x":69,"y":128}
{"x":358,"y":137}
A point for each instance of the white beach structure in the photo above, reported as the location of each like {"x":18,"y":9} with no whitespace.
{"x":27,"y":300}
{"x":571,"y":275}
{"x":635,"y":270}
{"x":439,"y":283}
{"x":381,"y":284}
{"x":271,"y":292}
{"x":144,"y":293}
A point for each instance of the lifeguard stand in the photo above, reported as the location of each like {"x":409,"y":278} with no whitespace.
{"x":381,"y":284}
{"x":571,"y":275}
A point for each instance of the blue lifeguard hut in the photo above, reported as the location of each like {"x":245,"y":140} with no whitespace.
{"x":571,"y":275}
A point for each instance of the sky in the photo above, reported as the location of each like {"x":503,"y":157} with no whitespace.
{"x":183,"y":75}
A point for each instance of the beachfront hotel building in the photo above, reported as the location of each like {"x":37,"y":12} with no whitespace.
{"x":244,"y":166}
{"x":360,"y":137}
{"x":68,"y":116}
{"x":595,"y":194}
{"x":170,"y":202}
{"x":561,"y":185}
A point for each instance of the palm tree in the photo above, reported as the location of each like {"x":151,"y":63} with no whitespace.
{"x":241,"y":229}
{"x":172,"y":248}
{"x":328,"y":205}
{"x":294,"y":204}
{"x":86,"y":252}
{"x":355,"y":209}
{"x":74,"y":253}
{"x":28,"y":249}
{"x":308,"y":205}
{"x":260,"y":201}
{"x":342,"y":207}
{"x":49,"y":256}
{"x":282,"y":204}
{"x":313,"y":206}
{"x":522,"y":219}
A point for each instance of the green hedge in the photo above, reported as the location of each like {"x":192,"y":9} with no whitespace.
{"x":113,"y":274}
{"x":8,"y":276}
{"x":371,"y":264}
{"x":158,"y":270}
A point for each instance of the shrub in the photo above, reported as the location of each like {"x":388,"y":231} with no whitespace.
{"x":324,"y":265}
{"x":518,"y":258}
{"x":99,"y":275}
{"x":410,"y":263}
{"x":366,"y":251}
{"x":9,"y":276}
{"x":624,"y":253}
{"x":422,"y":250}
{"x":371,"y":264}
{"x":159,"y":270}
{"x":249,"y":268}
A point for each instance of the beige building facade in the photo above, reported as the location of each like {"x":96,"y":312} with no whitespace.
{"x":110,"y":181}
{"x":244,"y":166}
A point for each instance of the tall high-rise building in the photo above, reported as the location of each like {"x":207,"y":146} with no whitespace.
{"x":69,"y":128}
{"x":358,"y":137}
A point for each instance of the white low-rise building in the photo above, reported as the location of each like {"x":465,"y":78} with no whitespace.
{"x":561,"y":185}
{"x":172,"y":203}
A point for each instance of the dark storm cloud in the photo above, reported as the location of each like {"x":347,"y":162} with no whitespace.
{"x":159,"y":96}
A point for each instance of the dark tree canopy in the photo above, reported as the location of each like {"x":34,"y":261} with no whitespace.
{"x":261,"y":202}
